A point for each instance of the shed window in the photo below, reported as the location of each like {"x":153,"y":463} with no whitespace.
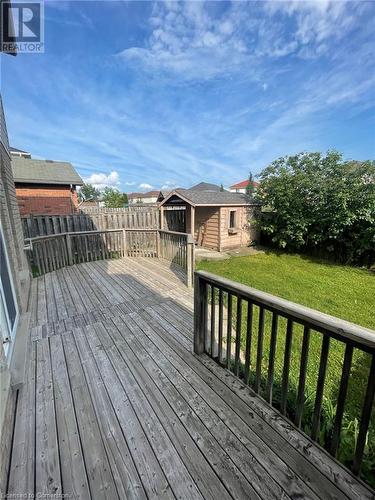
{"x":232,"y":219}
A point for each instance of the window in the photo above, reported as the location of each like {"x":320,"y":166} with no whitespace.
{"x":8,"y":305}
{"x":232,"y":219}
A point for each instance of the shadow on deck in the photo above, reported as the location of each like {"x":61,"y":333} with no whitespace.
{"x":116,"y":405}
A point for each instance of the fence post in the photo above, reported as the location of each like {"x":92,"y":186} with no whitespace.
{"x":190,"y":260}
{"x":200,"y":318}
{"x":124,"y":242}
{"x":69,"y":249}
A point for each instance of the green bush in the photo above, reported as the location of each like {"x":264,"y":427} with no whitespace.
{"x":320,"y":204}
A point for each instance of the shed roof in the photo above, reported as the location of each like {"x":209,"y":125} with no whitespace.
{"x":28,"y":170}
{"x":208,"y":198}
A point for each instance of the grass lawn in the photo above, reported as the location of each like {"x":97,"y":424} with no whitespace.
{"x":342,"y":291}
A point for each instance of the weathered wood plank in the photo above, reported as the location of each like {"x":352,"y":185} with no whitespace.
{"x":97,"y":466}
{"x":152,"y":475}
{"x":22,"y":470}
{"x":127,"y":479}
{"x":73,"y":471}
{"x":178,"y":476}
{"x":47,"y":461}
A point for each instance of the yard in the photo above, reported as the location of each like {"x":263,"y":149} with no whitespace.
{"x":342,"y":291}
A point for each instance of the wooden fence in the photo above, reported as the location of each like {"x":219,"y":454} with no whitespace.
{"x":52,"y":252}
{"x":132,"y":208}
{"x":45,"y":225}
{"x":224,"y":317}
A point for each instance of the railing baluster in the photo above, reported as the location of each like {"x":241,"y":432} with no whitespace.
{"x":341,"y":399}
{"x":320,"y":387}
{"x":365,"y":419}
{"x":212,"y":329}
{"x":258,"y":374}
{"x":285,"y":381}
{"x":238,"y":336}
{"x":200,"y":315}
{"x":249,"y":328}
{"x":229,"y":330}
{"x":302,"y":376}
{"x":349,"y":334}
{"x":271,"y":362}
{"x":220,"y":340}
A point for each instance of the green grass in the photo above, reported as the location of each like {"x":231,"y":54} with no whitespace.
{"x":341,"y":291}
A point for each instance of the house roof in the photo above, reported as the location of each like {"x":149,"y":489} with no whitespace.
{"x":16,"y":150}
{"x":205,"y":186}
{"x":149,"y":194}
{"x":28,"y":170}
{"x":243,"y":185}
{"x":208,"y":198}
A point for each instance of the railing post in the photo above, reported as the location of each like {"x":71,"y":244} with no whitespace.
{"x":190,"y":260}
{"x":158,"y":243}
{"x":69,"y":249}
{"x":200,"y":315}
{"x":124,"y":242}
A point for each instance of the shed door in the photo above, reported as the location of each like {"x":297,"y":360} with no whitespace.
{"x":8,"y":304}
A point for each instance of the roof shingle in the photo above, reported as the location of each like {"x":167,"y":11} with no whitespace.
{"x":214,"y":198}
{"x":28,"y":170}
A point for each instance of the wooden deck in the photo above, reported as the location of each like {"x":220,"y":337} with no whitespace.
{"x":116,"y":405}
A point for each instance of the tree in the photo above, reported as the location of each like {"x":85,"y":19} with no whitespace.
{"x":250,"y":186}
{"x":320,"y":202}
{"x":88,"y":192}
{"x":221,"y":187}
{"x":113,"y":198}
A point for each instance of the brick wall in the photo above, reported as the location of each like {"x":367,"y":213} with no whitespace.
{"x":39,"y":199}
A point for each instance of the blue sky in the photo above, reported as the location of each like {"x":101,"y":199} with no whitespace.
{"x":140,"y":94}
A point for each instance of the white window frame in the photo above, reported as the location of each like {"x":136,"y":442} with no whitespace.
{"x":235,"y":219}
{"x":8,"y":344}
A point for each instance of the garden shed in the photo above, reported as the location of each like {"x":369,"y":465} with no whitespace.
{"x":218,"y":220}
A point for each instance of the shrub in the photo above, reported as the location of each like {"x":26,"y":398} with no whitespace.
{"x":320,"y":204}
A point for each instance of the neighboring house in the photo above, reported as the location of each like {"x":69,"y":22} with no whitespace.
{"x":218,"y":220}
{"x":240,"y":187}
{"x":45,"y":186}
{"x":14,"y":293}
{"x":19,"y":153}
{"x":149,"y":198}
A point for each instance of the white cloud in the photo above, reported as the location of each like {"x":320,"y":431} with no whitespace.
{"x":169,"y":185}
{"x":144,"y":185}
{"x":186,"y":40}
{"x":189,"y":40}
{"x":101,"y":181}
{"x":129,"y":183}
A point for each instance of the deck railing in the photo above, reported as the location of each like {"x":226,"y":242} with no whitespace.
{"x":49,"y":253}
{"x":177,"y":248}
{"x":230,"y":323}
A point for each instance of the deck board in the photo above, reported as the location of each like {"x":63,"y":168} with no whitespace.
{"x":116,"y":405}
